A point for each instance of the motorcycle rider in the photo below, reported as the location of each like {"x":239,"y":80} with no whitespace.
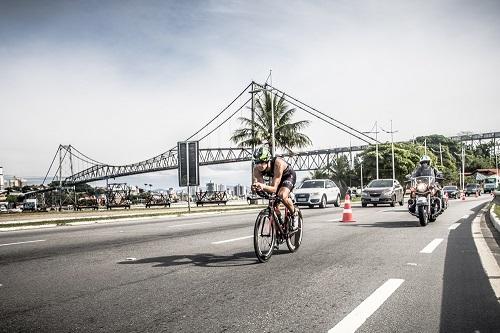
{"x":426,"y":169}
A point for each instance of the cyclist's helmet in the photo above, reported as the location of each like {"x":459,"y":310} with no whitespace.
{"x":261,"y":154}
{"x":425,"y":159}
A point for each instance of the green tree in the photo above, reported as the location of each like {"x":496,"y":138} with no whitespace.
{"x":287,"y":133}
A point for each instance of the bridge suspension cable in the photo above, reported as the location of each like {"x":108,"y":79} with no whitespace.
{"x":323,"y":114}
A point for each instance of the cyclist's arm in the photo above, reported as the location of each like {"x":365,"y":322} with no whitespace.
{"x":257,"y":178}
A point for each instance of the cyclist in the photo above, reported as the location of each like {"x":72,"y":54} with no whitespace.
{"x":283,"y":178}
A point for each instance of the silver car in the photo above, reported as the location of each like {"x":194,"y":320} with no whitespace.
{"x":382,"y":191}
{"x":317,"y":192}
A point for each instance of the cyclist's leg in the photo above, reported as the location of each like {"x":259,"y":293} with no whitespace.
{"x":284,"y":194}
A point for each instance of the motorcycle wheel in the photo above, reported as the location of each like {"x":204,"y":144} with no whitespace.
{"x":422,"y":215}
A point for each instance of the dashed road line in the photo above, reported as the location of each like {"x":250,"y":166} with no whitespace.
{"x":186,"y":224}
{"x":231,"y":240}
{"x":432,"y":246}
{"x":363,"y":311}
{"x":34,"y":241}
{"x":454,"y":226}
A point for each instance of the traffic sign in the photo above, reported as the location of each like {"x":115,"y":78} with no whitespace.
{"x":188,"y":163}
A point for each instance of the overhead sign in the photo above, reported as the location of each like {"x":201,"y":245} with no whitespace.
{"x":189,"y":168}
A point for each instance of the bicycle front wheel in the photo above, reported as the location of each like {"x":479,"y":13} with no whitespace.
{"x":294,"y":239}
{"x":264,"y":237}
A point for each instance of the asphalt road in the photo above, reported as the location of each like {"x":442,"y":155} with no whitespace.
{"x":193,"y":274}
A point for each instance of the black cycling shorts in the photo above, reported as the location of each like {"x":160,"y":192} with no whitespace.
{"x":288,"y":180}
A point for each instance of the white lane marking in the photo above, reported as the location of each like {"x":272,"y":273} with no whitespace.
{"x":412,"y":264}
{"x":359,"y":315}
{"x":35,"y":241}
{"x":131,"y":259}
{"x":186,"y":224}
{"x":465,"y":217}
{"x":454,"y":226}
{"x":1,"y":285}
{"x":432,"y":246}
{"x":334,"y":220}
{"x":232,"y":240}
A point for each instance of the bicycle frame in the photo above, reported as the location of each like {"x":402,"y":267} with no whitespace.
{"x":273,"y":206}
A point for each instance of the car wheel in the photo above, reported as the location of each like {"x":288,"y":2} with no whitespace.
{"x":393,"y":202}
{"x":322,"y":204}
{"x":402,"y":202}
{"x":363,"y":204}
{"x":374,"y":205}
{"x":311,"y":206}
{"x":337,"y":202}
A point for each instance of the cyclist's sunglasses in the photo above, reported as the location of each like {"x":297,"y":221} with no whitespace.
{"x":259,"y":162}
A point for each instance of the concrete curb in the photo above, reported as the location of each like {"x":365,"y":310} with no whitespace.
{"x":493,"y":218}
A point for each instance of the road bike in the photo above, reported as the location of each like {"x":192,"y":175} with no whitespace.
{"x":271,"y":229}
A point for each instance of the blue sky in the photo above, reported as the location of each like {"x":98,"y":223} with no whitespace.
{"x":125,"y":80}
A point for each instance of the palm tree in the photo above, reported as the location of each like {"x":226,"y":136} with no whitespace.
{"x":286,"y":132}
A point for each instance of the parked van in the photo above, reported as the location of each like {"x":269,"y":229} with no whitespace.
{"x":491,"y":183}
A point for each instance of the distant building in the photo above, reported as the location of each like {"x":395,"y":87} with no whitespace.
{"x":211,"y":187}
{"x":17,"y":182}
{"x":240,"y":190}
{"x":1,"y":179}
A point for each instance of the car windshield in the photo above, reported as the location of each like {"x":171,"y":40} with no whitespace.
{"x":450,"y":188}
{"x":489,"y":180}
{"x":313,"y":184}
{"x":381,"y":183}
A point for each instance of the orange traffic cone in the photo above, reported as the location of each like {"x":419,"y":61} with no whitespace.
{"x":347,"y":214}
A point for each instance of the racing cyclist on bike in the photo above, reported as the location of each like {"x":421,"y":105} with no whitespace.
{"x":283,"y":178}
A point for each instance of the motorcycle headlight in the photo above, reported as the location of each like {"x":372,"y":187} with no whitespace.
{"x":422,"y":187}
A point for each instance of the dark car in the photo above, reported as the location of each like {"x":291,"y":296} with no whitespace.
{"x":472,"y":189}
{"x":382,"y":191}
{"x":452,"y":191}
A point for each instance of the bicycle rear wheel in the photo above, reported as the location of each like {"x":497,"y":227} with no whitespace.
{"x":264,"y":237}
{"x":294,"y":240}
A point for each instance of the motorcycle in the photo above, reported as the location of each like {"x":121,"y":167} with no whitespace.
{"x":426,"y":201}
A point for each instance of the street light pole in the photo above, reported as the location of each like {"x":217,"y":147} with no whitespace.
{"x":271,"y":93}
{"x":272,"y":124}
{"x":392,"y":146}
{"x":376,"y":148}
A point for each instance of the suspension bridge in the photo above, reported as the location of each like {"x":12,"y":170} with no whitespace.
{"x":71,"y":167}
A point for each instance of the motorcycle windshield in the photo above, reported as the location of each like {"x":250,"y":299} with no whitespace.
{"x":427,"y":180}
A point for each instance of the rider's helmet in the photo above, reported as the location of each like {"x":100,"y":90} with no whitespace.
{"x":261,"y":154}
{"x":425,"y":159}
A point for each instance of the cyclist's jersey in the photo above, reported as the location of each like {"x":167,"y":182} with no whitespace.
{"x":288,"y":178}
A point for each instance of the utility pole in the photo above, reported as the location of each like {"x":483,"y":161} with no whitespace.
{"x":272,"y":124}
{"x":253,"y":131}
{"x":376,"y":148}
{"x":392,"y":148}
{"x":441,"y":154}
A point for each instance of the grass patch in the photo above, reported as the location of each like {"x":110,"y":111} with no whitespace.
{"x":496,"y":209}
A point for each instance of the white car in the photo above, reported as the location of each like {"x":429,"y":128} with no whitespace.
{"x":317,"y":192}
